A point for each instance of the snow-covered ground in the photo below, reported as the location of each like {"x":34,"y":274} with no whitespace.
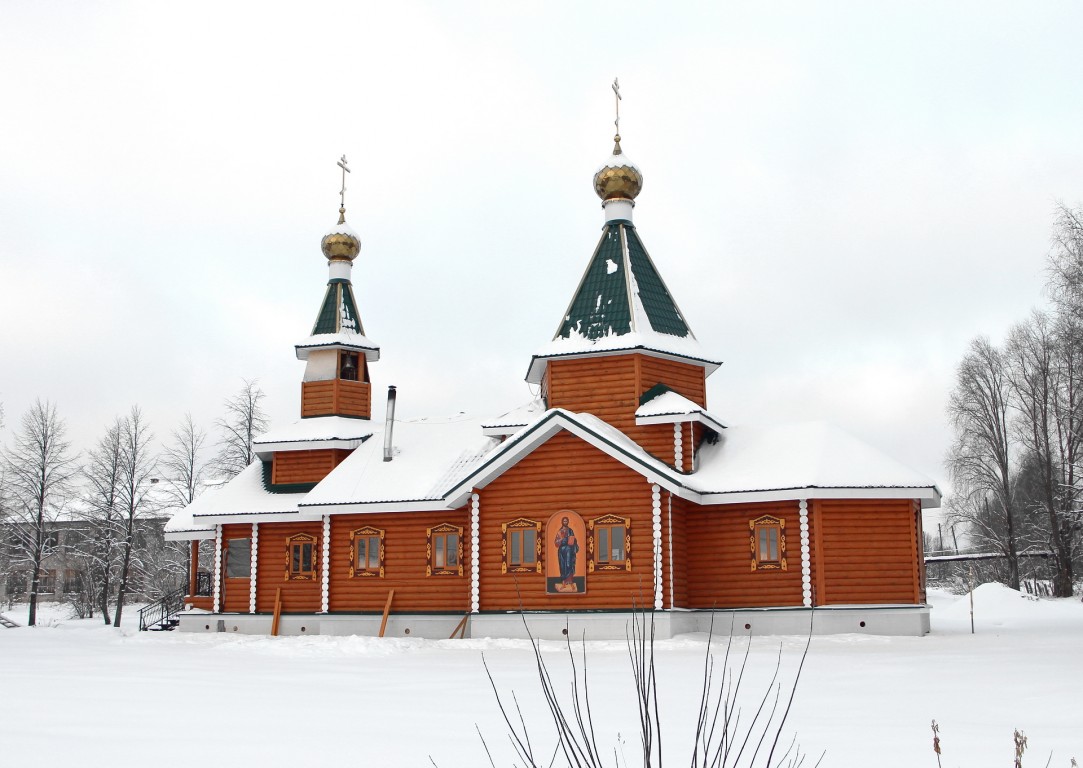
{"x":85,"y":695}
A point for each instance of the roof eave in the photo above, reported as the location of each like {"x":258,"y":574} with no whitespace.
{"x":536,"y":371}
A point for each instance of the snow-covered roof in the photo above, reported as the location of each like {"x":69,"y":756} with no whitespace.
{"x":669,"y":407}
{"x":315,"y":432}
{"x":438,"y":462}
{"x":809,"y":455}
{"x":243,"y":496}
{"x":427,"y":455}
{"x":343,"y":340}
{"x":514,"y":419}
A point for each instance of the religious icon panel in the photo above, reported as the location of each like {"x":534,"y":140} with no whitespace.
{"x":565,"y":560}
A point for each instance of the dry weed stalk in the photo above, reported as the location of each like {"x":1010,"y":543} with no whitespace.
{"x":721,"y":739}
{"x":936,"y":743}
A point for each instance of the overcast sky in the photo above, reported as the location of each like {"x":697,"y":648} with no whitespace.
{"x":839,"y":195}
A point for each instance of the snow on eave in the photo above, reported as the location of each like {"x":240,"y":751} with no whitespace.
{"x":585,"y":426}
{"x":243,"y":498}
{"x":343,"y":340}
{"x":511,"y":422}
{"x":803,"y":460}
{"x":671,"y":408}
{"x":618,"y":344}
{"x":315,"y":432}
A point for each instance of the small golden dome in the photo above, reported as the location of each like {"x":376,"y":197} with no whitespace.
{"x":618,"y":178}
{"x":341,"y":243}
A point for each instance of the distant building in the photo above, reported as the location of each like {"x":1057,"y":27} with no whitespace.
{"x":617,"y":489}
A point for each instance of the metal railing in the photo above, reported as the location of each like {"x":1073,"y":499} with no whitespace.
{"x":203,"y":584}
{"x":160,"y":611}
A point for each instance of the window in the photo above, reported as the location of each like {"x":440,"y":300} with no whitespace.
{"x":46,"y":582}
{"x":522,"y":547}
{"x":347,"y":366}
{"x":444,"y":550}
{"x":609,"y":543}
{"x":238,"y":558}
{"x":301,"y":557}
{"x":767,"y":541}
{"x":367,"y":552}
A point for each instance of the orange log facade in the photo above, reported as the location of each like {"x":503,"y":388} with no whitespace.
{"x":336,"y":397}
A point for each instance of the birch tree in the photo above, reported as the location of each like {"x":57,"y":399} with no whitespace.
{"x":244,"y":420}
{"x":39,"y":470}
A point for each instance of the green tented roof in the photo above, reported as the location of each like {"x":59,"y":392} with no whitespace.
{"x":621,"y":279}
{"x":338,"y":313}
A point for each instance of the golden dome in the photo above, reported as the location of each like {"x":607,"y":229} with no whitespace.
{"x":341,"y":243}
{"x":618,"y":178}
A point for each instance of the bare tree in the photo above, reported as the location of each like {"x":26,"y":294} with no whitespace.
{"x":243,"y":421}
{"x":182,"y":461}
{"x":981,"y":459}
{"x":39,"y":469}
{"x":1045,"y":371}
{"x":103,"y":513}
{"x":137,"y":467}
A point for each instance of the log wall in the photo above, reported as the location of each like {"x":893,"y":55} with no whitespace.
{"x":235,"y":593}
{"x":718,"y":557}
{"x":405,"y":559}
{"x":305,"y":466}
{"x":566,"y":473}
{"x":298,"y":596}
{"x":610,"y":387}
{"x":867,"y":551}
{"x":336,"y":397}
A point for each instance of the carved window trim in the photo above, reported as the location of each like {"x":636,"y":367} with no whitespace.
{"x":509,"y":530}
{"x":300,"y":541}
{"x":766,"y":533}
{"x":610,"y":522}
{"x":436,"y":535}
{"x":367,"y":533}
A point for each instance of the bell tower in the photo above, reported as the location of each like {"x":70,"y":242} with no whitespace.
{"x":337,"y":353}
{"x":623,"y":339}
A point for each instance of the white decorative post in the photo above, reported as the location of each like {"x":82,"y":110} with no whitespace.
{"x":252,"y":569}
{"x":475,"y":551}
{"x":217,"y":568}
{"x":806,"y":559}
{"x":656,"y":508}
{"x":678,"y":448}
{"x":325,"y":599}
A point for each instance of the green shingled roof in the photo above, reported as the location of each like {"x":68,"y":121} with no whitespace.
{"x":339,"y":310}
{"x":621,"y":272}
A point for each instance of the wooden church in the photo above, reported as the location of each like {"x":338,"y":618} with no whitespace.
{"x":617,"y":490}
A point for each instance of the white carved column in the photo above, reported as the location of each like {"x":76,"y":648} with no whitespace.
{"x":252,"y":569}
{"x":678,"y":448}
{"x":475,"y":552}
{"x":217,"y":568}
{"x":806,"y":558}
{"x":325,"y":598}
{"x":656,"y":517}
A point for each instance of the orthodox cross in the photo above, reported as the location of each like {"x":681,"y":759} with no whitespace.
{"x":616,"y":90}
{"x":345,"y":170}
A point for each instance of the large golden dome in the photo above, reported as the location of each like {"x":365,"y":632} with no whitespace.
{"x":341,"y":243}
{"x":618,"y":178}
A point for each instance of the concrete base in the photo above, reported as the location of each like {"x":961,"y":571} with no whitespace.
{"x":912,"y":620}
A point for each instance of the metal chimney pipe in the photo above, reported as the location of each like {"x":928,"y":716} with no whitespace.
{"x":389,"y":425}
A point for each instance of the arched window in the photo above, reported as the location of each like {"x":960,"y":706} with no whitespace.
{"x":767,"y":542}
